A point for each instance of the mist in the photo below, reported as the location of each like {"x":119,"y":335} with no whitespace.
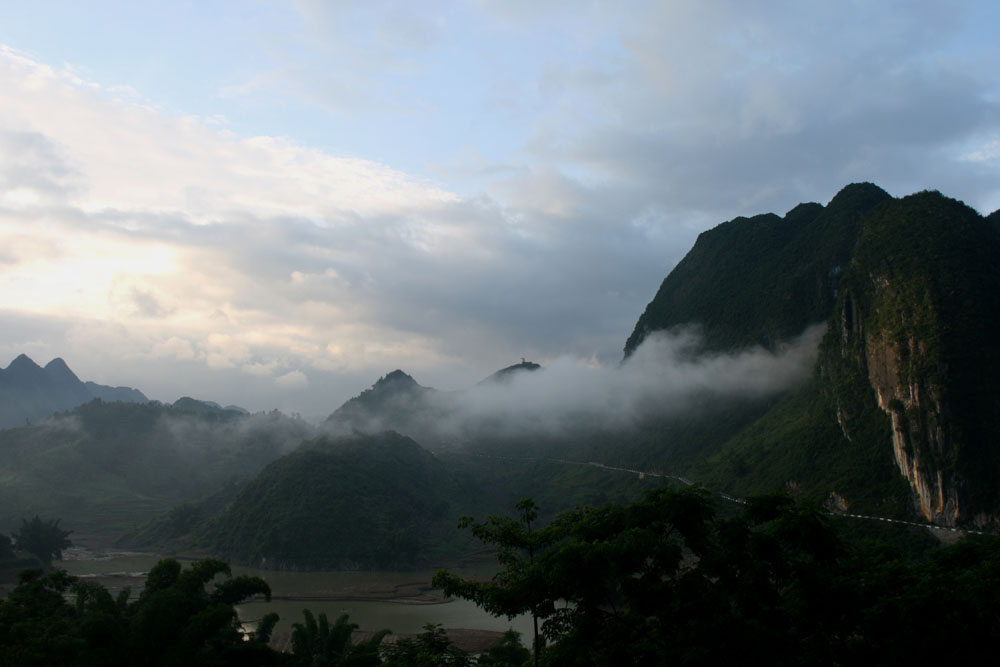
{"x":668,"y":374}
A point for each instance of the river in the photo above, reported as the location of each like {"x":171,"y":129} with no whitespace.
{"x":400,"y":601}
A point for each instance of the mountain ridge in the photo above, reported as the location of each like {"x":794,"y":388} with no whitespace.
{"x":31,"y":393}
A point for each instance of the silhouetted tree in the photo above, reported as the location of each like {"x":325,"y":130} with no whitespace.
{"x":318,"y":644}
{"x":508,"y":653}
{"x":44,"y":539}
{"x":431,"y":648}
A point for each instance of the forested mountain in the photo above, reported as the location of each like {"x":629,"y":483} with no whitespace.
{"x":360,"y":502}
{"x":761,"y":280}
{"x":394,"y":402}
{"x":901,"y":411}
{"x":30,"y":393}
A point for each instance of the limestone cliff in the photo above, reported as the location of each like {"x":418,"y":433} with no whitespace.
{"x":915,"y":332}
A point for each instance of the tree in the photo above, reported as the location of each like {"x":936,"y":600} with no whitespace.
{"x":431,"y":648}
{"x":175,"y":621}
{"x":516,"y":589}
{"x":318,"y":644}
{"x":665,"y":577}
{"x":176,"y":617}
{"x":6,"y":548}
{"x":44,"y":539}
{"x":509,"y":652}
{"x":37,"y":625}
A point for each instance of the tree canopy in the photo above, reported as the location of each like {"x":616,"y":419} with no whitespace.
{"x":673,"y":577}
{"x":56,"y":619}
{"x":44,"y":539}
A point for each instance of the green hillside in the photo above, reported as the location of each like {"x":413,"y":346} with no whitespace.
{"x":368,"y":501}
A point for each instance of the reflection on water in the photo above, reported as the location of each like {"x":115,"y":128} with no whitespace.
{"x":398,"y":601}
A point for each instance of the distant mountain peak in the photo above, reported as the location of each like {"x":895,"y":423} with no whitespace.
{"x":865,"y":194}
{"x":30,"y":393}
{"x":397,"y":379}
{"x":59,"y":371}
{"x":506,"y":374}
{"x":23,"y":361}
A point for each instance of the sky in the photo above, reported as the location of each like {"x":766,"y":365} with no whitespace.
{"x":273,"y":204}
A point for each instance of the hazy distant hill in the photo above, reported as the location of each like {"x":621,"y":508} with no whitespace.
{"x":507,"y":374}
{"x":107,"y":466}
{"x":30,"y":393}
{"x":433,"y":418}
{"x":392,"y":400}
{"x":207,"y":408}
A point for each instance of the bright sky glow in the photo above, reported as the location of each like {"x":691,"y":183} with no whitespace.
{"x":272,"y":204}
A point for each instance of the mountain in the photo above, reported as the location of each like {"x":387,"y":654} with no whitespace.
{"x":108,"y":466}
{"x":207,"y":408}
{"x":115,"y":394}
{"x":361,"y":502}
{"x":30,"y":393}
{"x":505,"y":375}
{"x":396,"y":394}
{"x":901,"y":414}
{"x":395,"y":402}
{"x":761,"y":280}
{"x":916,"y":331}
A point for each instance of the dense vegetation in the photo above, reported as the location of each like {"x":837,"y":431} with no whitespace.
{"x":54,"y":619}
{"x":672,"y":579}
{"x":349,"y":503}
{"x":761,"y":280}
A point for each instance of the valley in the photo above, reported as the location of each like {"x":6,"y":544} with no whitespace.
{"x":835,"y":365}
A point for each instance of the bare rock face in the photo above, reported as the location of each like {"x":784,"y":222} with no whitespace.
{"x":921,"y":433}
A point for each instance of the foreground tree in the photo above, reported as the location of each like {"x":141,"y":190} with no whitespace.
{"x":43,"y":539}
{"x":431,"y":648}
{"x":508,"y":653}
{"x":667,"y":579}
{"x":318,"y":644}
{"x":182,"y":618}
{"x":6,"y":549}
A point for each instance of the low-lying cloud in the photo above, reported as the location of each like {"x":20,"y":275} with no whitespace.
{"x":664,"y":376}
{"x":667,"y":375}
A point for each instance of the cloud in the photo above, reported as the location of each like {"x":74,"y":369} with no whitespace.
{"x":292,"y":380}
{"x":173,"y":347}
{"x":667,"y":376}
{"x":581,"y":149}
{"x":664,"y":377}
